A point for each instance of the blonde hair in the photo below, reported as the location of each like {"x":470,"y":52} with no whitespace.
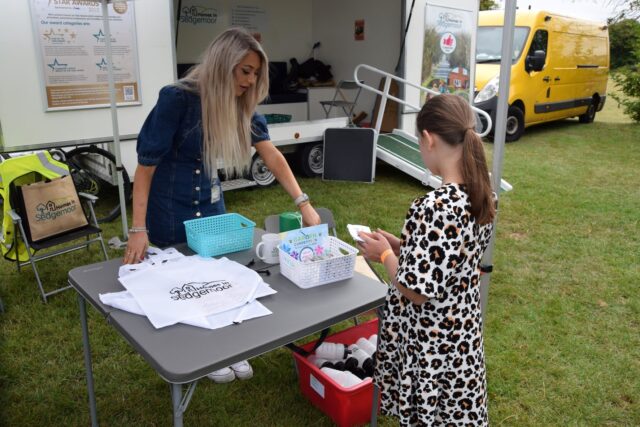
{"x":226,"y":118}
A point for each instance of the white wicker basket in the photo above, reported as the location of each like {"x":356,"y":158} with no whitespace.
{"x":309,"y":274}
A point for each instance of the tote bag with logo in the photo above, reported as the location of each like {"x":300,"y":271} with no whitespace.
{"x":51,"y":208}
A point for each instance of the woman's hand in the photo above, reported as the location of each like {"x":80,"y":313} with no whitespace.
{"x":136,"y":248}
{"x":373,"y":246}
{"x":393,"y":241}
{"x":309,"y":215}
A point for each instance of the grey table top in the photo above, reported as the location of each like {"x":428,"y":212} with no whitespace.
{"x":183,"y":353}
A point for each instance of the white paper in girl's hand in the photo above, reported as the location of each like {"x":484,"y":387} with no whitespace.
{"x":355,"y":229}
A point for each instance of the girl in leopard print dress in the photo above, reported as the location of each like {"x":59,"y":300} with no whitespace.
{"x":430,"y":359}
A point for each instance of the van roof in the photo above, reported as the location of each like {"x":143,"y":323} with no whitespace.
{"x":527,"y":18}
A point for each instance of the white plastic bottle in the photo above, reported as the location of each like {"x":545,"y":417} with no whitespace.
{"x":373,"y":339}
{"x":332,"y":351}
{"x":316,"y":360}
{"x":344,"y":378}
{"x":366,"y":346}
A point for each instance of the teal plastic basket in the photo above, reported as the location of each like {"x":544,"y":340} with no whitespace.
{"x":219,"y":234}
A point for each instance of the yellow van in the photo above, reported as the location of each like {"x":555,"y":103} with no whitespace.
{"x":560,"y":68}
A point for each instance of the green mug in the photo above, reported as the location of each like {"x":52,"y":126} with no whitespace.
{"x":290,"y":221}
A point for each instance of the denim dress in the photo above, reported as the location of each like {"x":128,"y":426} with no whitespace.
{"x":171,"y":140}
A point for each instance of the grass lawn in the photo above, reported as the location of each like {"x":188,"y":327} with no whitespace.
{"x":563,"y":321}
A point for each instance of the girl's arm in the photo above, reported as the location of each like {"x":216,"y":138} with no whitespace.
{"x":391,"y":265}
{"x":376,"y":244}
{"x":278,"y":165}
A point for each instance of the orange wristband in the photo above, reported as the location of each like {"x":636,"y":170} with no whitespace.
{"x":385,"y":254}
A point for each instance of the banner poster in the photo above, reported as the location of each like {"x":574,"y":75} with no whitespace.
{"x":72,"y":52}
{"x":253,"y":17}
{"x":446,"y":56}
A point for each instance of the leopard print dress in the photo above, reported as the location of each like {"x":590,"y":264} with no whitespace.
{"x":430,"y":359}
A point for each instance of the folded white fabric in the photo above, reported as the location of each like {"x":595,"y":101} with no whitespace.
{"x":154,"y":256}
{"x":170,"y":288}
{"x":125,"y":301}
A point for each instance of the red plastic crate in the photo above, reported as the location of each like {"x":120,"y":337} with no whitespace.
{"x":346,"y":406}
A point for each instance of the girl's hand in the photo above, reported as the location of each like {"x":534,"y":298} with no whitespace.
{"x":373,"y":246}
{"x":136,"y":248}
{"x":309,"y":215}
{"x":393,"y":241}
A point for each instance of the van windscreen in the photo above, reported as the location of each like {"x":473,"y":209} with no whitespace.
{"x":489,"y":43}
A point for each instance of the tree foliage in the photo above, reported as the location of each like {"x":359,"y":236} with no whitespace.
{"x":628,"y":81}
{"x":458,"y":58}
{"x":488,"y":5}
{"x":624,"y":43}
{"x":624,"y":9}
{"x":431,"y":52}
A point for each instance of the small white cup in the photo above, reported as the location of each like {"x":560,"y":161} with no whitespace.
{"x":267,"y":249}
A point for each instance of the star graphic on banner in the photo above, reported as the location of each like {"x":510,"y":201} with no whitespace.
{"x":99,"y":35}
{"x":102,"y":64}
{"x":55,"y":64}
{"x":47,"y":35}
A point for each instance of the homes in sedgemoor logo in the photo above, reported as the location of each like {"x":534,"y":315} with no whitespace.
{"x":195,"y":290}
{"x":53,"y":209}
{"x":449,"y":20}
{"x":198,"y":15}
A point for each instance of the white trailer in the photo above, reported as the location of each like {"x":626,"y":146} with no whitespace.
{"x":170,"y":34}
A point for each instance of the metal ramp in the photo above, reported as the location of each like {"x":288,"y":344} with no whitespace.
{"x":403,"y":153}
{"x":399,"y":148}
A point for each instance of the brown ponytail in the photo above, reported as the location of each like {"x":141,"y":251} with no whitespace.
{"x":451,"y":118}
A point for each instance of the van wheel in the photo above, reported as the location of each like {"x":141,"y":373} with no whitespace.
{"x":589,"y":115}
{"x":515,"y":124}
{"x":260,"y":173}
{"x":311,"y":160}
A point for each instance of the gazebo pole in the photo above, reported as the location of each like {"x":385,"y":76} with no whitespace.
{"x":499,"y":139}
{"x":115,"y":149}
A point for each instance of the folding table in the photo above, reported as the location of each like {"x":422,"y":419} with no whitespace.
{"x":183,"y":354}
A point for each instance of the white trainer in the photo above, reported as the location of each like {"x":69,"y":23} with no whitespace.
{"x":221,"y":376}
{"x":242,"y":370}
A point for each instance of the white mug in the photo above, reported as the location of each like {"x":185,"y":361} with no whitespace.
{"x":267,"y":249}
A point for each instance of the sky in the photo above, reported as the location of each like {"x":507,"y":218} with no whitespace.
{"x":594,"y":10}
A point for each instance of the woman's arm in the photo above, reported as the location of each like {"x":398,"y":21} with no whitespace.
{"x":278,"y":165}
{"x":139,"y":241}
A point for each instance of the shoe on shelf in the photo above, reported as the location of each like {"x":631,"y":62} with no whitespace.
{"x":221,"y":376}
{"x":242,"y":370}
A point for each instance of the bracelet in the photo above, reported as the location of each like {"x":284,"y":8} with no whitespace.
{"x":385,"y":254}
{"x":301,"y":199}
{"x":138,"y":230}
{"x":303,"y":204}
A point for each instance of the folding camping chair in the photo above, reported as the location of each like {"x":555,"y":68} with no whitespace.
{"x":18,"y":245}
{"x":346,"y":105}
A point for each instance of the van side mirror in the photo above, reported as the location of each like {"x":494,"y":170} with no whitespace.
{"x":536,"y":61}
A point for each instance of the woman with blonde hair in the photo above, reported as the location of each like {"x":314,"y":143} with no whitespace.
{"x":206,"y":117}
